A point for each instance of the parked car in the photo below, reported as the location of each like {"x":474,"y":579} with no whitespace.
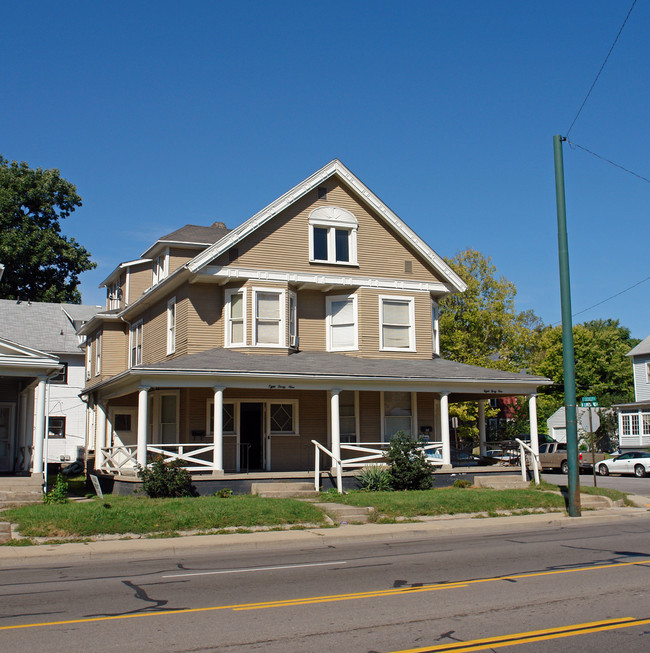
{"x":632,"y":462}
{"x":553,"y":455}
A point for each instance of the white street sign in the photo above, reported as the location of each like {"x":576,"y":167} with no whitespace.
{"x":595,"y":420}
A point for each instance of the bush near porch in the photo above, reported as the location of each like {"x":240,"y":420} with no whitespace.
{"x":451,"y":501}
{"x":120,"y":515}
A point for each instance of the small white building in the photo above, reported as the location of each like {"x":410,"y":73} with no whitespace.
{"x":634,"y":418}
{"x":50,"y":329}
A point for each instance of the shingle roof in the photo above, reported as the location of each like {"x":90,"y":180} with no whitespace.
{"x":44,"y":326}
{"x":327,"y":364}
{"x":642,"y":348}
{"x":193,"y":233}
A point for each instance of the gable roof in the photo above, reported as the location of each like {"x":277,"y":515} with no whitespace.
{"x":642,"y":348}
{"x":333,"y":168}
{"x":44,"y":326}
{"x":192,"y":234}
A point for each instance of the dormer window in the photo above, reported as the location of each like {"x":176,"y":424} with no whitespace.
{"x":160,"y":267}
{"x":332,"y":236}
{"x":113,"y":295}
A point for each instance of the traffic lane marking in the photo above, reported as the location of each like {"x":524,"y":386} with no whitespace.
{"x":329,"y":598}
{"x":246,"y":570}
{"x":530,"y":636}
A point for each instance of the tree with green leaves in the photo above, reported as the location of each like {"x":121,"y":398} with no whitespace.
{"x":41,"y":264}
{"x":481,"y":326}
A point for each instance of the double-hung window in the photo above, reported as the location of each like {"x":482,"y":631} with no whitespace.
{"x":348,"y":411}
{"x":171,"y":326}
{"x":332,"y":236}
{"x":435,"y":326}
{"x":342,"y":323}
{"x":396,"y":324}
{"x":135,"y":347}
{"x":160,"y":267}
{"x":270,"y":311}
{"x":235,"y":317}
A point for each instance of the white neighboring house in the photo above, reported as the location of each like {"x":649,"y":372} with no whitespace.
{"x":634,"y":418}
{"x":51,"y":329}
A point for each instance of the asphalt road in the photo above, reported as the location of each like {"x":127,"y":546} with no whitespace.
{"x":578,"y":587}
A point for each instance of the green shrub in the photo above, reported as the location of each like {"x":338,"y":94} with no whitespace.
{"x":224,"y":493}
{"x":166,"y":479}
{"x":462,"y":483}
{"x":409,"y":468}
{"x":59,"y":491}
{"x":373,"y":478}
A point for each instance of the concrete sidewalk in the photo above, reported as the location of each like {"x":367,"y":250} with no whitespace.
{"x":428,"y":527}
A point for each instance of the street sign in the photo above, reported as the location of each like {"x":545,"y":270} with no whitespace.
{"x":589,"y":402}
{"x":590,"y":420}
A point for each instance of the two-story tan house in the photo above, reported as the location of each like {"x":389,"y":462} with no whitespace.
{"x":314,"y":320}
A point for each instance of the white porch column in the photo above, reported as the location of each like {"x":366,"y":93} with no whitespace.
{"x":444,"y":428}
{"x":532,"y":413}
{"x":39,"y":426}
{"x":100,"y":435}
{"x":481,"y":427}
{"x":335,"y":423}
{"x":143,"y":407}
{"x":217,"y":454}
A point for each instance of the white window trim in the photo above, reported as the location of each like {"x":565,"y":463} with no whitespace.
{"x":333,"y":218}
{"x":414,"y":414}
{"x":159,"y":271}
{"x":293,"y":320}
{"x":156,"y":400}
{"x":435,"y":325}
{"x":282,"y":294}
{"x":411,"y":303}
{"x":295,"y":422}
{"x":98,"y":353}
{"x":134,"y":327}
{"x":209,"y":411}
{"x":334,"y":298}
{"x":229,"y":293}
{"x":171,"y":326}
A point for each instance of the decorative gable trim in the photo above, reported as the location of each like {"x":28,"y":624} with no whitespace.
{"x":335,"y":167}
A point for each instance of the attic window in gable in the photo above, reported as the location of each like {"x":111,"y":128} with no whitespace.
{"x":332,"y":236}
{"x":160,"y":267}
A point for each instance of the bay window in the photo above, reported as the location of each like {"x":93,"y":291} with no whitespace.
{"x":269,"y":328}
{"x":135,"y":344}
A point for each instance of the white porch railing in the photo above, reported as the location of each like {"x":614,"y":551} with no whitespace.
{"x":119,"y":459}
{"x":533,"y":456}
{"x":372,"y":454}
{"x":195,"y":457}
{"x":187,"y":453}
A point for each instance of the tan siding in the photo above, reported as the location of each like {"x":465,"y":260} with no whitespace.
{"x":311,"y":320}
{"x":426,"y":412}
{"x":283,"y":242}
{"x":179,"y":256}
{"x":140,"y":278}
{"x":204,"y":324}
{"x":154,"y":333}
{"x":114,"y":349}
{"x":369,"y":418}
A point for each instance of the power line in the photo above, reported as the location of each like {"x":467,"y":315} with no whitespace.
{"x":584,"y":310}
{"x":601,"y":69}
{"x":602,"y":158}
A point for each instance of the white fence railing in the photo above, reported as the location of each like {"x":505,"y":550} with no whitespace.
{"x":119,"y":459}
{"x":195,"y":457}
{"x":532,"y":456}
{"x":372,"y":453}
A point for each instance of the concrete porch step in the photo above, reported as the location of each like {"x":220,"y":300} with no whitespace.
{"x":342,"y":514}
{"x":503,"y":482}
{"x":16,"y":483}
{"x":31,"y":497}
{"x":5,"y":531}
{"x":283,"y":490}
{"x":594,"y":502}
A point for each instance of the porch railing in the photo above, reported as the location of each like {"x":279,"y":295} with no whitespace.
{"x":372,"y":453}
{"x":532,"y":456}
{"x":195,"y":457}
{"x":119,"y":459}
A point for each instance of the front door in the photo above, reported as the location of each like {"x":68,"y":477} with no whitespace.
{"x":125,"y":426}
{"x":7,"y":435}
{"x":251,"y":438}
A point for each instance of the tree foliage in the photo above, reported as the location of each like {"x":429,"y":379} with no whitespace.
{"x":40,"y":263}
{"x":481,"y":325}
{"x":409,"y":468}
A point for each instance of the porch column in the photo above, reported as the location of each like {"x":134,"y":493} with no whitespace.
{"x":143,"y":407}
{"x":444,"y":428}
{"x":335,"y":423}
{"x":217,"y":454}
{"x":532,"y":413}
{"x":39,"y":427}
{"x":100,"y":435}
{"x":481,"y":427}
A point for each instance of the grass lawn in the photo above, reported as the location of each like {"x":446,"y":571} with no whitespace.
{"x":451,"y":501}
{"x":143,"y":515}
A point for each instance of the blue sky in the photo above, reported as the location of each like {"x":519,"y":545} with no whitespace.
{"x":170,"y":113}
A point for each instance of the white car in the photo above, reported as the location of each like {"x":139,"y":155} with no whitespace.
{"x":632,"y":462}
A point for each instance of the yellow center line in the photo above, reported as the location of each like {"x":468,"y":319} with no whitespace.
{"x":530,"y":636}
{"x":329,"y":598}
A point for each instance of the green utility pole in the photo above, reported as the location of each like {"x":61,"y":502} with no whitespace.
{"x":567,"y":334}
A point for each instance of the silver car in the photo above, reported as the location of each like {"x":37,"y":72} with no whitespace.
{"x":632,"y":462}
